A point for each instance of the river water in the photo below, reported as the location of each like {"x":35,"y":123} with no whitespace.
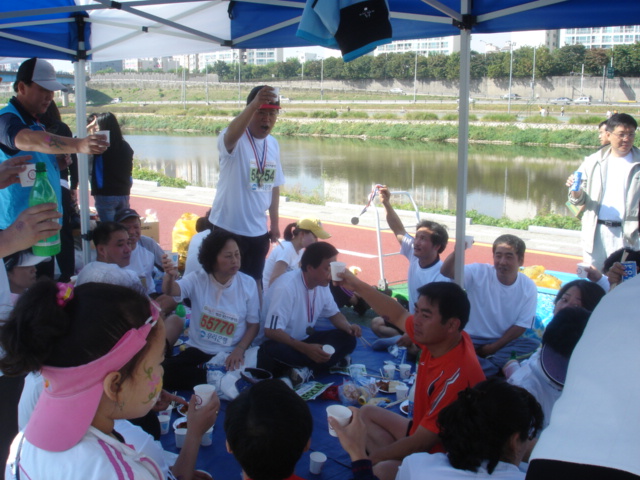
{"x":517,"y":182}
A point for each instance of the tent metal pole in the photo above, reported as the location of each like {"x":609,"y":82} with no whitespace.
{"x":463,"y":146}
{"x":83,"y":158}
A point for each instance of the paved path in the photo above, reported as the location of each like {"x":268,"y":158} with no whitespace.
{"x":555,"y":250}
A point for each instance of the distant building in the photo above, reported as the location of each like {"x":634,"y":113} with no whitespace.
{"x":425,"y":46}
{"x":600,"y":37}
{"x":260,"y":56}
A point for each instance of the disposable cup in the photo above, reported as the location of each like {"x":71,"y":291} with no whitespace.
{"x":316,"y":462}
{"x":336,"y":268}
{"x":341,"y":414}
{"x":468,"y":241}
{"x":207,"y":438}
{"x":174,"y":256}
{"x":389,"y":371}
{"x":164,"y":420}
{"x":181,"y":434}
{"x":105,"y":133}
{"x":204,"y":393}
{"x":329,"y":349}
{"x":276,"y":92}
{"x":405,"y":370}
{"x":402,"y":392}
{"x":28,"y":176}
{"x":357,"y":370}
{"x":583,"y":269}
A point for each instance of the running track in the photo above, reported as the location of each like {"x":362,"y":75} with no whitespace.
{"x":357,"y":244}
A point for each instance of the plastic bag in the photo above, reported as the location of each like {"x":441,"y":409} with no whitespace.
{"x":541,"y":279}
{"x":183,"y":230}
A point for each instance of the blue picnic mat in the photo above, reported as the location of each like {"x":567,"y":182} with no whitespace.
{"x":222,"y":466}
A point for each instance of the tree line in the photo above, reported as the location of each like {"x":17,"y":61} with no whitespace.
{"x":567,"y":60}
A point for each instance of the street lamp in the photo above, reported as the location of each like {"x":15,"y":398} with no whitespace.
{"x":321,"y":78}
{"x":511,"y":44}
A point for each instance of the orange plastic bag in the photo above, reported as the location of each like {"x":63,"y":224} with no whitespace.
{"x":183,"y":230}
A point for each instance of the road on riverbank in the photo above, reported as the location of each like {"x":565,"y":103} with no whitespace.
{"x":554,"y":249}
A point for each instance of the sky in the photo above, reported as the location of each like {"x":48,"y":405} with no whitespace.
{"x":478,"y":43}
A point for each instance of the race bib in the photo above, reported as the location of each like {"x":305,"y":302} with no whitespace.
{"x":217,"y":327}
{"x":262,"y":181}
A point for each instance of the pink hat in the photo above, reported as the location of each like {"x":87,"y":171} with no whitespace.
{"x":76,"y":392}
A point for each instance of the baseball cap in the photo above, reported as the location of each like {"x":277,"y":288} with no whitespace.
{"x":314,"y":226}
{"x":23,"y":258}
{"x":554,"y":365}
{"x":254,"y":92}
{"x":79,"y":390}
{"x":124,"y":214}
{"x":39,"y":72}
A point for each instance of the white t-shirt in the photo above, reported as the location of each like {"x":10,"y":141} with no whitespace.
{"x":596,"y":419}
{"x":496,"y":307}
{"x":612,"y":206}
{"x":436,"y":466}
{"x":192,"y":264}
{"x":419,"y":276}
{"x":219,"y":313}
{"x":293,"y":308}
{"x":284,"y":252}
{"x":241,"y":202}
{"x":532,"y":378}
{"x":96,"y":457}
{"x":142,"y":262}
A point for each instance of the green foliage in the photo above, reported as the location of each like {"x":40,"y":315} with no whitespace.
{"x":499,"y":117}
{"x":354,"y":114}
{"x":140,"y":173}
{"x":421,"y":116}
{"x":385,"y":116}
{"x":539,"y":119}
{"x":590,"y":120}
{"x":324,"y":114}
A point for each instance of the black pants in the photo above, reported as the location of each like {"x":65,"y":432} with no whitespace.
{"x":10,"y":391}
{"x":182,"y":371}
{"x":278,"y":358}
{"x":66,"y":258}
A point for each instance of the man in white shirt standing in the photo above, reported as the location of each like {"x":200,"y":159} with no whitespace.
{"x":503,"y":304}
{"x":250,"y":179}
{"x":610,"y":193}
{"x":293,"y":305}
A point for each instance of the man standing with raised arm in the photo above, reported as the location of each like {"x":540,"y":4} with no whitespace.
{"x":250,"y":179}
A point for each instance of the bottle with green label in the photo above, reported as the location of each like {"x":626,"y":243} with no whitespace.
{"x":42,"y":192}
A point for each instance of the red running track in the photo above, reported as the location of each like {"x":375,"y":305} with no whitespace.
{"x":358,"y":244}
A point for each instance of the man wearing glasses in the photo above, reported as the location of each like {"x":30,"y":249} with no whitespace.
{"x":610,"y":191}
{"x":249,"y":180}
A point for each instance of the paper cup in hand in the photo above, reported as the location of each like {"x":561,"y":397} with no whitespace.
{"x":468,"y":241}
{"x":336,"y":268}
{"x":316,"y":462}
{"x":583,"y":270}
{"x":329,"y":349}
{"x":105,"y":133}
{"x":28,"y":176}
{"x":165,"y":420}
{"x":204,"y":393}
{"x":341,"y":414}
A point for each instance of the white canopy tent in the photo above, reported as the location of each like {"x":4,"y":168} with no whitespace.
{"x":78,"y":30}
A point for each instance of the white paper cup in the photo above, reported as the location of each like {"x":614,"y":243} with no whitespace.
{"x":341,"y":414}
{"x":28,"y":176}
{"x":174,"y":256}
{"x":583,"y":269}
{"x":468,"y":241}
{"x":276,"y":92}
{"x":357,"y":370}
{"x":402,"y":392}
{"x":181,"y":434}
{"x":207,"y":438}
{"x":316,"y":462}
{"x":405,"y":370}
{"x":389,"y":371}
{"x":336,"y":268}
{"x":328,"y":349}
{"x":204,"y":393}
{"x":105,"y":133}
{"x":165,"y":420}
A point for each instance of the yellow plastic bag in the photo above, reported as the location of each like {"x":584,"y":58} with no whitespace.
{"x":541,"y":279}
{"x":183,"y":230}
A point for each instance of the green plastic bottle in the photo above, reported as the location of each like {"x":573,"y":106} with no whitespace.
{"x":42,"y":192}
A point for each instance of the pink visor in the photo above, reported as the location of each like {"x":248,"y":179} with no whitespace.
{"x":71,"y":395}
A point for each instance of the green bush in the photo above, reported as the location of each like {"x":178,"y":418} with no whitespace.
{"x":586,"y":120}
{"x":140,"y":173}
{"x":421,"y":116}
{"x":324,"y":114}
{"x":451,"y":117}
{"x":385,"y":116}
{"x":499,"y":117}
{"x":540,"y":120}
{"x":354,"y":114}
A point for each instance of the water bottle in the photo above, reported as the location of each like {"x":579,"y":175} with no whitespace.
{"x":42,"y":192}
